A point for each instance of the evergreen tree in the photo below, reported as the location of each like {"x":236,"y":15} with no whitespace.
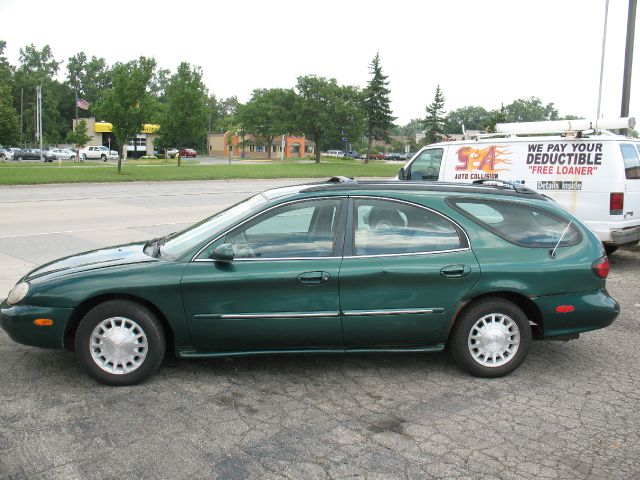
{"x":379,"y":120}
{"x":435,"y":119}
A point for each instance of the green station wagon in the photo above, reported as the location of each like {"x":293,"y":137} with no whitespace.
{"x":339,"y":266}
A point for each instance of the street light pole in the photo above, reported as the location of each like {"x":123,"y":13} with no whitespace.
{"x":628,"y":59}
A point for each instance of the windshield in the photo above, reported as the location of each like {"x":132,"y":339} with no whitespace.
{"x":179,"y":243}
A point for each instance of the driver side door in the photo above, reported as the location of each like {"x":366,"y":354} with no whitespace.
{"x":280,"y":292}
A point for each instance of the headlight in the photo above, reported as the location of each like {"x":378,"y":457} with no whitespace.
{"x":18,"y":292}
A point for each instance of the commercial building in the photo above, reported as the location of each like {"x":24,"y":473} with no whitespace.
{"x":101,"y":133}
{"x":223,"y":144}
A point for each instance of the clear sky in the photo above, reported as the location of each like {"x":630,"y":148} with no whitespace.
{"x":480,"y":52}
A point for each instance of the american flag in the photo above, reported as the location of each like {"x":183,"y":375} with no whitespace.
{"x":82,"y":103}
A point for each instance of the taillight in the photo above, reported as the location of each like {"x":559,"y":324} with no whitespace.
{"x":600,"y":267}
{"x":616,"y":203}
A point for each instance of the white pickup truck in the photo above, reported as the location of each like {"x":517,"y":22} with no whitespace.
{"x":98,"y":153}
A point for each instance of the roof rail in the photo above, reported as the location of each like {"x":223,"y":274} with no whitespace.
{"x":497,"y":182}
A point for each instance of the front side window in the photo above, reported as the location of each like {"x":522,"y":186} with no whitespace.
{"x":384,"y":227}
{"x":426,"y":166}
{"x":631,"y":161}
{"x":299,"y":230}
{"x":521,"y":224}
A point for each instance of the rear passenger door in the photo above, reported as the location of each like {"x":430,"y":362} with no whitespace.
{"x":404,"y":272}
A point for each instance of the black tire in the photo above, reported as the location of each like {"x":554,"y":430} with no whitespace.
{"x":103,"y":158}
{"x":143,"y":345}
{"x":19,"y":158}
{"x":83,"y":156}
{"x":610,"y":249}
{"x":503,"y":322}
{"x":72,"y":158}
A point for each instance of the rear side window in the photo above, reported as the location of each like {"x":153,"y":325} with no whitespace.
{"x":518,"y":223}
{"x":384,"y":227}
{"x":631,"y":160}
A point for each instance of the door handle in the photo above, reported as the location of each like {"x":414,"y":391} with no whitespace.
{"x":313,"y":278}
{"x":455,"y":271}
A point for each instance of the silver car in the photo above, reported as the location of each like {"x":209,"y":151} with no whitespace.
{"x":64,"y":154}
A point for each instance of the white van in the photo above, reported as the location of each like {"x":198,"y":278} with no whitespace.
{"x":592,"y":173}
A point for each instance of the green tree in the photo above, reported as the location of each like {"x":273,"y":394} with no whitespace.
{"x":529,"y":110}
{"x":38,"y":67}
{"x":268,"y":114}
{"x":126,"y":103}
{"x":184,"y":123}
{"x":472,"y":117}
{"x":89,"y":78}
{"x":326,"y":111}
{"x":377,"y":106}
{"x":79,"y":137}
{"x":9,"y":123}
{"x":434,"y":121}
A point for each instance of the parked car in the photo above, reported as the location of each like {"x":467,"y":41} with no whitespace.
{"x":63,"y":154}
{"x":332,"y":153}
{"x":394,"y":156}
{"x":98,"y":152}
{"x":376,"y":156}
{"x":352,"y":154}
{"x":338,"y":266}
{"x":172,"y":152}
{"x":6,"y":154}
{"x":34,"y":154}
{"x":188,"y":153}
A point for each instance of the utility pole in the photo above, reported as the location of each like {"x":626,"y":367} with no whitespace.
{"x":21,"y":112}
{"x":628,"y":59}
{"x":604,"y":43}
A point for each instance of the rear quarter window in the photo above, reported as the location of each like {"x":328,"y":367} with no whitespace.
{"x":631,"y":160}
{"x":518,"y":223}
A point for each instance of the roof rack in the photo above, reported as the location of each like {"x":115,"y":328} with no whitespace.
{"x":502,"y":183}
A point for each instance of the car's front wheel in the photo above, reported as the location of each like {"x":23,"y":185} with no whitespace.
{"x":120,"y":342}
{"x":491,"y":338}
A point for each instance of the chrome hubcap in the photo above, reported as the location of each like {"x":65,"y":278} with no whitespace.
{"x":118,"y":345}
{"x":494,"y":340}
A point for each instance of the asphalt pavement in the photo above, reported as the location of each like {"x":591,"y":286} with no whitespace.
{"x":571,"y":411}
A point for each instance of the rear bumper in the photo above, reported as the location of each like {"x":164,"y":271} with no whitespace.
{"x":626,"y":235}
{"x":592,"y":310}
{"x":17,"y":321}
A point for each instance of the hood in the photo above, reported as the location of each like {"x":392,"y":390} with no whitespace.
{"x":96,"y":259}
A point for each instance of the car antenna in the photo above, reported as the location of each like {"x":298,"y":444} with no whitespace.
{"x":552,"y":253}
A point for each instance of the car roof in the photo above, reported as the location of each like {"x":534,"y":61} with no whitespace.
{"x":351,"y":186}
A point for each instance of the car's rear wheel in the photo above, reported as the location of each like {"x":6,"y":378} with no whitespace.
{"x":491,"y":338}
{"x":72,"y":158}
{"x":120,"y":342}
{"x":19,"y":158}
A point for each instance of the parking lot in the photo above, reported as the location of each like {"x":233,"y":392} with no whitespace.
{"x":572,"y":410}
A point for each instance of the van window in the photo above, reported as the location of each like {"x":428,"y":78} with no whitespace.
{"x":631,"y":161}
{"x":520,"y":224}
{"x":426,"y":166}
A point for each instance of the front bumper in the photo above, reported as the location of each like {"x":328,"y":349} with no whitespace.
{"x":17,"y":321}
{"x":592,"y":310}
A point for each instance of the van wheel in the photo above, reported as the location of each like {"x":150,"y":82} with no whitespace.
{"x":610,"y":249}
{"x":491,"y":338}
{"x":120,"y":342}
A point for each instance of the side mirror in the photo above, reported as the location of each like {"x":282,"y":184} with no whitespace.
{"x":401,"y":174}
{"x":223,"y":253}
